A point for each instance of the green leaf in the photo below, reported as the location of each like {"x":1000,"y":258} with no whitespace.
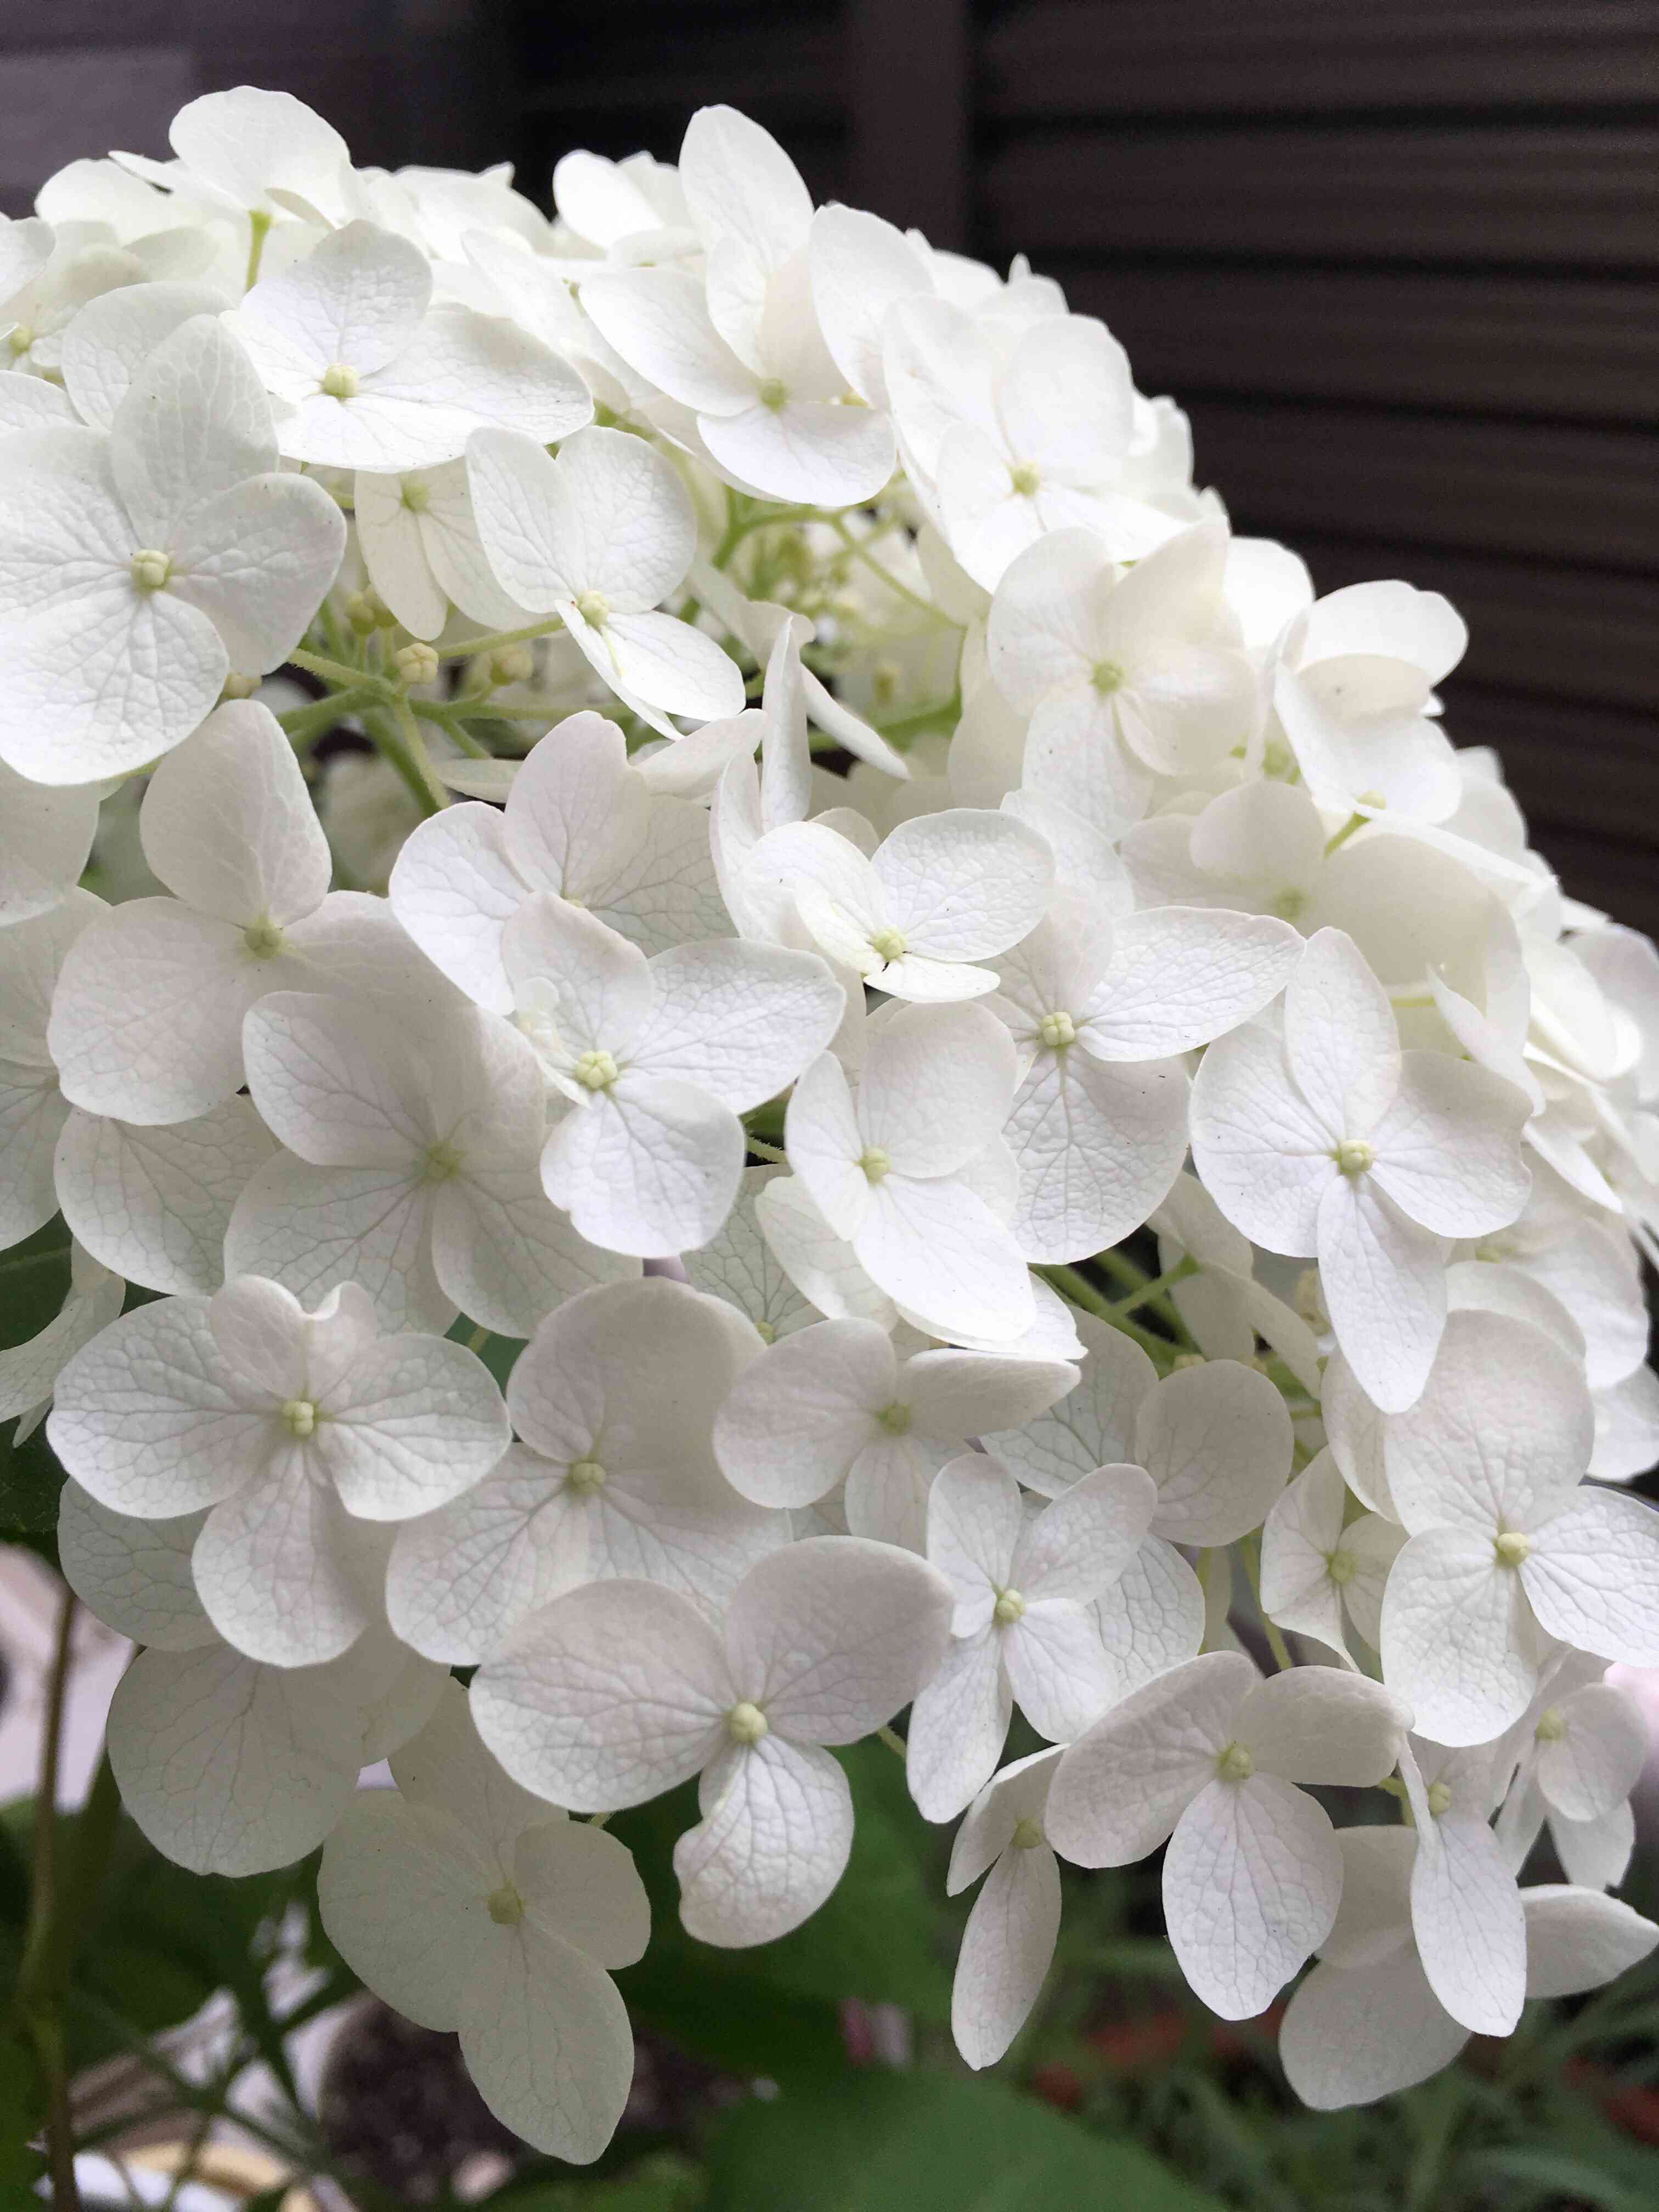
{"x":497,"y":1352}
{"x":929,"y":2142}
{"x":1557,"y":2174}
{"x":665,"y":2183}
{"x":30,"y":1482}
{"x":35,"y":1279}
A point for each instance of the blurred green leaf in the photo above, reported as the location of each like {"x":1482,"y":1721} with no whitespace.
{"x":929,"y":2142}
{"x":664,"y":2183}
{"x":1555,"y":2173}
{"x":34,"y":1277}
{"x":497,"y":1352}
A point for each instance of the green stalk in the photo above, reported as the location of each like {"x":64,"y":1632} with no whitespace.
{"x":40,"y":1989}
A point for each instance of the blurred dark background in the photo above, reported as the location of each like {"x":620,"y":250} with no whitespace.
{"x":1398,"y":257}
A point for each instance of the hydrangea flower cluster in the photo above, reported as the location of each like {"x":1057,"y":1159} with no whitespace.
{"x":823,"y":835}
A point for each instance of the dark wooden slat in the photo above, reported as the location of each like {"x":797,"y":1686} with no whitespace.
{"x":907,"y":88}
{"x":1621,"y":879}
{"x":1558,"y":633}
{"x":794,"y":69}
{"x":1574,"y":768}
{"x":56,"y":105}
{"x":1484,"y":345}
{"x":1553,"y":493}
{"x":1573,"y":197}
{"x":1149,"y":56}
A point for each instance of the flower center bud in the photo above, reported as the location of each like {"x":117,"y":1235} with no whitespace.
{"x":21,"y":338}
{"x":1354,"y":1157}
{"x":300,"y":1416}
{"x":1440,"y":1799}
{"x":875,"y":1164}
{"x":417,"y":496}
{"x":1025,"y":476}
{"x":587,"y":1476}
{"x":263,"y":940}
{"x":1009,"y":1608}
{"x":1290,"y":906}
{"x":746,"y":1723}
{"x":442,"y":1161}
{"x":766,"y":1334}
{"x":417,"y":663}
{"x":1183,"y":1359}
{"x":1512,"y":1547}
{"x":1371,"y":799}
{"x":889,"y":942}
{"x":594,"y":607}
{"x":1276,"y":758}
{"x":340,"y":382}
{"x":1057,"y":1032}
{"x":774,"y":393}
{"x":150,"y":569}
{"x":1028,"y":1834}
{"x":1343,"y":1568}
{"x":514,"y":664}
{"x":1552,"y":1725}
{"x":238,"y":686}
{"x":1234,"y":1764}
{"x":598,"y":1070}
{"x":505,"y":1906}
{"x":1106,"y":677}
{"x":895,"y":1419}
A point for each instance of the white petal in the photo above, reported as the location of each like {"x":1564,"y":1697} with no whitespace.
{"x":414,"y":1422}
{"x":773,"y":1843}
{"x":1593,"y":1577}
{"x":832,"y":1636}
{"x":228,"y":1766}
{"x":282,"y":1572}
{"x":740,"y":1021}
{"x":401,"y":1891}
{"x":229,"y":825}
{"x":940,"y":1253}
{"x":795,"y":1422}
{"x":1063,"y":1677}
{"x":607,"y":1697}
{"x":1217,"y":1440}
{"x":1262,"y":1153}
{"x":154,"y":1203}
{"x":1094,"y":1426}
{"x":1471,"y":1934}
{"x":1182,"y":975}
{"x":194,"y":422}
{"x":1322,"y":1724}
{"x":958,"y":1724}
{"x":1077,"y":1547}
{"x":134,"y":1575}
{"x":1598,"y":1762}
{"x":547,"y":2042}
{"x":1006,"y":1950}
{"x":651,"y":1166}
{"x":1459,"y":1641}
{"x":1576,"y":1939}
{"x":938,"y":1084}
{"x":1351,"y":2035}
{"x":506,"y":1256}
{"x":1340,"y":1043}
{"x":255,"y":561}
{"x":1251,"y":1883}
{"x":1448,"y":1149}
{"x":45,"y":837}
{"x":1384,"y":1284}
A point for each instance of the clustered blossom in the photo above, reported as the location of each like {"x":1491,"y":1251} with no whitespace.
{"x":808,"y":832}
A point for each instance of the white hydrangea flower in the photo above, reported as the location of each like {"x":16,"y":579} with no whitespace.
{"x":1224,"y":1307}
{"x":289,"y":1427}
{"x":467,"y":1903}
{"x":249,"y":152}
{"x":579,"y":822}
{"x":1127,"y":675}
{"x":613,"y":1403}
{"x":32,"y":1111}
{"x":1366,"y":2023}
{"x":411,"y":1164}
{"x":658,"y":1059}
{"x":419,"y":540}
{"x":600,"y":537}
{"x":1210,"y":1755}
{"x":824,"y":1642}
{"x":142,"y":569}
{"x":1329,"y":1141}
{"x":1009,"y":1942}
{"x":147,"y":1021}
{"x":913,"y":1172}
{"x":1580,"y":1747}
{"x":154,"y":1201}
{"x":944,"y":892}
{"x":372,"y":375}
{"x":1321,"y":1570}
{"x":741,"y":346}
{"x":1099,"y":1012}
{"x":739,"y":1266}
{"x":1023,"y":1628}
{"x":1509,"y":1549}
{"x":46,"y":835}
{"x":835,"y":1404}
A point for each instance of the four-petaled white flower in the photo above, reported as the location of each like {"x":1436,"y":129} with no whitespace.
{"x":1024,"y":1630}
{"x":290,"y":1427}
{"x":1211,"y":1756}
{"x":371,"y":375}
{"x":1009,"y":1941}
{"x":658,"y":1058}
{"x":824,"y":1642}
{"x":468,"y":1903}
{"x":141,"y":570}
{"x":613,"y":1474}
{"x":1328,"y":1140}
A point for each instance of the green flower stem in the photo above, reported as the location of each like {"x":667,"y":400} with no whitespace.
{"x":452,"y":723}
{"x":305,"y":724}
{"x":767,"y":1152}
{"x":342,"y":678}
{"x":39,"y":1981}
{"x":921,"y":724}
{"x":893,"y":1740}
{"x":259,"y":223}
{"x":861,"y":551}
{"x":1082,"y":1292}
{"x":409,"y":730}
{"x":1250,"y":1551}
{"x":384,"y":735}
{"x":495,"y":639}
{"x":1153,"y":1290}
